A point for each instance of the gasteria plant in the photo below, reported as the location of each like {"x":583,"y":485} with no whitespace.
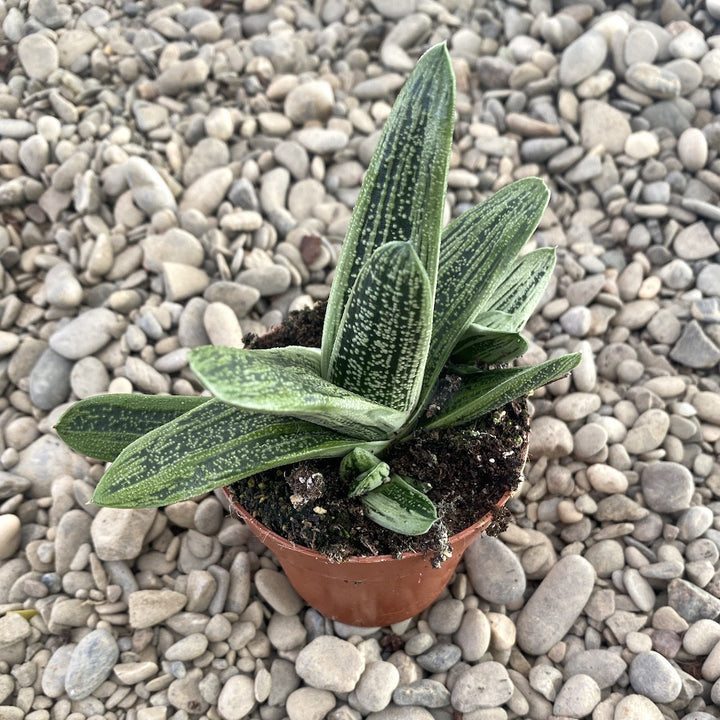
{"x":410,"y":302}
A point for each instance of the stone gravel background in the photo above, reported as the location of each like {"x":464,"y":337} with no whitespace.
{"x":175,"y":174}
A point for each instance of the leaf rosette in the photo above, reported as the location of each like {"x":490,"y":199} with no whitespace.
{"x":410,"y":301}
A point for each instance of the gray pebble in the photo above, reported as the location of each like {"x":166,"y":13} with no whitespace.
{"x":208,"y":191}
{"x":38,"y":56}
{"x":182,"y":75}
{"x":90,"y":664}
{"x":555,"y":605}
{"x":276,"y":590}
{"x":582,"y":58}
{"x":89,"y":377}
{"x":485,"y":685}
{"x":578,"y":697}
{"x":149,"y":191}
{"x":604,"y":666}
{"x":50,"y":380}
{"x":494,"y":571}
{"x":425,"y":693}
{"x":695,"y":349}
{"x":329,"y":663}
{"x":53,"y":676}
{"x":654,"y":677}
{"x":85,"y":334}
{"x":667,"y":487}
{"x":473,"y":636}
{"x":374,"y":690}
{"x":439,"y":658}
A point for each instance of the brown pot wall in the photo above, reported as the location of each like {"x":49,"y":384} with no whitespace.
{"x":364,"y":591}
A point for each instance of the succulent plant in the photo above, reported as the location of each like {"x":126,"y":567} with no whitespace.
{"x":410,"y":302}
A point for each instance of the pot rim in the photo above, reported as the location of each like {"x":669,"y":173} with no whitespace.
{"x":264,"y":532}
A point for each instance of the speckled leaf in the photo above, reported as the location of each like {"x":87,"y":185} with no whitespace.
{"x":523,"y":286}
{"x":403,"y":194}
{"x":476,"y":251}
{"x":382,"y":342}
{"x":491,"y":389}
{"x":487,"y":345}
{"x":102,"y":425}
{"x":208,"y":447}
{"x":287,"y":381}
{"x":399,"y":507}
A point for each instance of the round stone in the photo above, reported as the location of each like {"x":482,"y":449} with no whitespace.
{"x":577,"y":697}
{"x":38,"y":56}
{"x":582,"y":57}
{"x":376,"y":685}
{"x":329,"y":663}
{"x":692,"y":149}
{"x":667,"y":487}
{"x":653,"y":676}
{"x":445,"y":616}
{"x":237,"y":697}
{"x":550,"y":438}
{"x":10,"y":527}
{"x":485,"y":685}
{"x":312,"y":100}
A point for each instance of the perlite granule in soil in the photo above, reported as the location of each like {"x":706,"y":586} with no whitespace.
{"x":174,"y":175}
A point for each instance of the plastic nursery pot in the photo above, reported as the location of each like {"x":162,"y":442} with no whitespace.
{"x":364,"y":591}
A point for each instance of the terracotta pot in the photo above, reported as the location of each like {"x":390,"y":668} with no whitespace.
{"x":364,"y":591}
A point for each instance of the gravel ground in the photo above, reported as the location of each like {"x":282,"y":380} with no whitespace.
{"x":177,"y":174}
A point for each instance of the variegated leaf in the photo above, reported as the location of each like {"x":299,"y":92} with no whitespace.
{"x":491,"y":389}
{"x":208,"y":447}
{"x":102,"y":425}
{"x":522,"y":288}
{"x":403,"y":194}
{"x":476,"y":250}
{"x":287,"y":381}
{"x":486,"y":345}
{"x":400,"y":507}
{"x":382,"y":343}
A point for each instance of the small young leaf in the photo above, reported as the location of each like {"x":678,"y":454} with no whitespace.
{"x":382,"y":342}
{"x":208,"y":447}
{"x":358,"y":461}
{"x":399,"y":507}
{"x":369,"y":480}
{"x":491,"y":389}
{"x":286,"y":381}
{"x":403,"y":194}
{"x":102,"y":425}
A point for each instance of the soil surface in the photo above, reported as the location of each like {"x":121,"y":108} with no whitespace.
{"x":468,"y":468}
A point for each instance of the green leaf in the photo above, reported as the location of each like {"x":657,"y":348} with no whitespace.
{"x":475,"y":252}
{"x":286,"y":381}
{"x":102,"y":425}
{"x":382,"y":343}
{"x":403,"y":195}
{"x":487,"y":345}
{"x":212,"y":445}
{"x":523,"y":286}
{"x":369,"y":480}
{"x":357,"y":461}
{"x":399,"y":507}
{"x":491,"y":389}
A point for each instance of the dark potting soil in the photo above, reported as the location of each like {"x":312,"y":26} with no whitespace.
{"x":469,"y":468}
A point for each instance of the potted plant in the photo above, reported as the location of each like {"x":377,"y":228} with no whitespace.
{"x":411,"y":373}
